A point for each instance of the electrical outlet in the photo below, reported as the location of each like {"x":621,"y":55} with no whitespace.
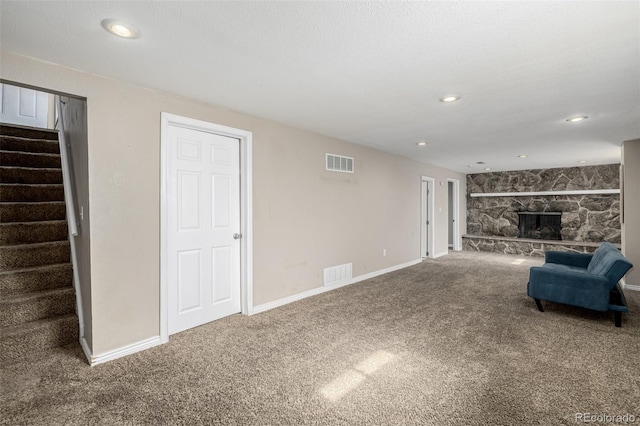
{"x":384,"y":252}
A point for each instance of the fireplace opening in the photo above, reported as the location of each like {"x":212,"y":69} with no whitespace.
{"x":540,"y":225}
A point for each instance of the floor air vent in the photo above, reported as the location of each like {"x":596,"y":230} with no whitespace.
{"x":339,"y":163}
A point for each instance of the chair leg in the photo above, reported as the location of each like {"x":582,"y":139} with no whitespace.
{"x":618,"y":318}
{"x":539,"y":305}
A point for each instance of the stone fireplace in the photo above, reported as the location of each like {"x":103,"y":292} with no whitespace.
{"x":530,"y":211}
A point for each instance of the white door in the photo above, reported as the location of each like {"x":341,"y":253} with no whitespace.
{"x":203,"y":222}
{"x":19,"y":105}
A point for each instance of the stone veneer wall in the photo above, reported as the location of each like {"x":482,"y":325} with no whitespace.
{"x":523,"y":247}
{"x":586,"y":218}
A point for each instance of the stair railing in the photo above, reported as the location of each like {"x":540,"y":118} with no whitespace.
{"x":67,"y":176}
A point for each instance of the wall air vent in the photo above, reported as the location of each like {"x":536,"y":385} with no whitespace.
{"x":339,"y":163}
{"x":338,"y":274}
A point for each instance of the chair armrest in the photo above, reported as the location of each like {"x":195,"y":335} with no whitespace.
{"x":572,"y":259}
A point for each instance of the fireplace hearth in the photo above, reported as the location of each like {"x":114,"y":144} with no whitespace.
{"x":540,"y":225}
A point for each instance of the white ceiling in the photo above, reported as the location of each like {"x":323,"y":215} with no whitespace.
{"x":372,"y":72}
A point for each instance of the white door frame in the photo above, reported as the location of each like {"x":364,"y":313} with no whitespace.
{"x":427,"y":199}
{"x":246,"y":210}
{"x":457,"y":241}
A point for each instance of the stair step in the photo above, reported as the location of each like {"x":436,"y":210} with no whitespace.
{"x":20,"y":309}
{"x":33,"y":232}
{"x":36,"y":279}
{"x":29,"y":255}
{"x":30,"y":175}
{"x":28,"y":132}
{"x":32,"y":212}
{"x":26,"y":340}
{"x":17,"y":192}
{"x":16,"y":143}
{"x":27,"y":159}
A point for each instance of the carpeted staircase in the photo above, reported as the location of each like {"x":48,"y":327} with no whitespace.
{"x":37,"y":301}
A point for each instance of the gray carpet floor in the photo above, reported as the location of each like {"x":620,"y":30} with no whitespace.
{"x":451,"y":341}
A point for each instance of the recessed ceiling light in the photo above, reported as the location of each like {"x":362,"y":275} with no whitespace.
{"x":582,"y":161}
{"x":421,"y":143}
{"x":577,"y":118}
{"x":120,"y":28}
{"x":487,"y":168}
{"x":522,"y":156}
{"x":449,"y":98}
{"x":469,"y":165}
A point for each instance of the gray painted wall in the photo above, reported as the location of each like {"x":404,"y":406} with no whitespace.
{"x":631,"y":225}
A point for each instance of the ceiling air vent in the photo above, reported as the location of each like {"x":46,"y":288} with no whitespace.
{"x":339,"y":163}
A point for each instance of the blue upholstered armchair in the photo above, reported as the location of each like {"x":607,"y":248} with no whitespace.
{"x":586,"y":280}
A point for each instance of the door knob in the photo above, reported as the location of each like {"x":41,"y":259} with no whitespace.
{"x":237,"y":236}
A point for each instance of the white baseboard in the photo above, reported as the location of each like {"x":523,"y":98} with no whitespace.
{"x":319,"y":290}
{"x":123,"y":351}
{"x":630,"y":287}
{"x":85,"y":349}
{"x":442,"y":253}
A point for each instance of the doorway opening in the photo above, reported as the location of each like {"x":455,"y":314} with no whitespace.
{"x":45,"y":140}
{"x":453,"y":190}
{"x":427,"y":235}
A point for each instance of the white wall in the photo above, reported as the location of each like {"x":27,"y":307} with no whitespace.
{"x":305,"y":218}
{"x":631,"y":225}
